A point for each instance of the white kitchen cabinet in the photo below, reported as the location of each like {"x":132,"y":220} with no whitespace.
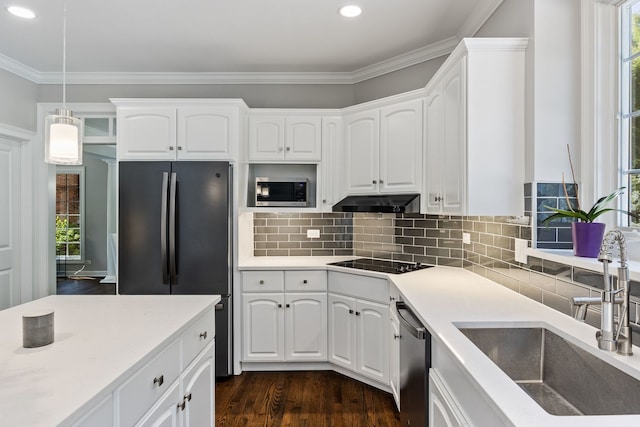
{"x":394,"y":356}
{"x":166,"y":411}
{"x":100,"y":416}
{"x":474,"y":114}
{"x":383,"y":149}
{"x":358,"y":336}
{"x":443,"y":409}
{"x":263,"y":327}
{"x":289,"y":325}
{"x":177,"y":129}
{"x":332,"y":163}
{"x":285,"y":138}
{"x":198,"y":391}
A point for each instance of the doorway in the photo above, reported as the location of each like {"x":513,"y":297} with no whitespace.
{"x":85,"y":223}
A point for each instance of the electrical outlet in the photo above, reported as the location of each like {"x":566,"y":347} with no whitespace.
{"x":313,"y":234}
{"x":466,"y":238}
{"x":521,"y":246}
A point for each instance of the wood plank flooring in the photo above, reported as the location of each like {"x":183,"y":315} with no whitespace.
{"x":84,"y":287}
{"x":301,"y":399}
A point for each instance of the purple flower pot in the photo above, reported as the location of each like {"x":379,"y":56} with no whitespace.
{"x":587,"y":238}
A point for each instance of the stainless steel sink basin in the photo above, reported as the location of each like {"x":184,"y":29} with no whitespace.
{"x":561,"y":377}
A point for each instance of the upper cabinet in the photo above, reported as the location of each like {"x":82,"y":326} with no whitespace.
{"x":474,"y":116}
{"x":383,"y":149}
{"x":285,"y":138}
{"x":178,"y":129}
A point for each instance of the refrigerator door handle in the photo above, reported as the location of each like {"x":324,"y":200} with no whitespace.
{"x":163,"y":228}
{"x":172,"y":229}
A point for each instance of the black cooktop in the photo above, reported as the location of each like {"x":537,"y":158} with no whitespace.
{"x":381,"y":265}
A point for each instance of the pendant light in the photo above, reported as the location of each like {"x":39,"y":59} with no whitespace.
{"x":63,"y":132}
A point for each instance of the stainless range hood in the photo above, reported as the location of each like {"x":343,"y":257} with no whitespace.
{"x":384,"y":203}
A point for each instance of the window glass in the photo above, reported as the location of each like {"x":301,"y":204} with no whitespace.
{"x":68,"y":215}
{"x":96,"y":126}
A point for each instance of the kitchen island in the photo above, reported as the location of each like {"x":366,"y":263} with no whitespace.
{"x":116,"y":360}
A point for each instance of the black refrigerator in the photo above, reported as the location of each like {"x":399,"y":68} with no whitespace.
{"x":175,"y":236}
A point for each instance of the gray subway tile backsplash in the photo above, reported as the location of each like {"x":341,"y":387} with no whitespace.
{"x":437,"y":240}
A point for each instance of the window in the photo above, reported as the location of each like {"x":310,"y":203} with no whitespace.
{"x":630,"y":109}
{"x":69,"y":213}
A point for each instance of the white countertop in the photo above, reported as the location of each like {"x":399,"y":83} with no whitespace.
{"x":444,"y":297}
{"x":98,"y":342}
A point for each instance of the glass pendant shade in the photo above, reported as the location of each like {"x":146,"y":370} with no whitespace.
{"x":63,"y":138}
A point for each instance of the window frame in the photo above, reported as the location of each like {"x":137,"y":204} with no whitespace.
{"x":80,"y":171}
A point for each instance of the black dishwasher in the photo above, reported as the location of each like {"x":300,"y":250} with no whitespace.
{"x":415,"y":361}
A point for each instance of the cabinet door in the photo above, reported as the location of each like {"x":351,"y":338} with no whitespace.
{"x":303,"y":139}
{"x":342,"y":331}
{"x":306,"y":327}
{"x":453,"y":142}
{"x":362,"y":151}
{"x":372,"y":332}
{"x":165,"y":413}
{"x":206,"y":133}
{"x":394,"y":357}
{"x":332,"y":164}
{"x":199,"y":386}
{"x":433,"y":146}
{"x":100,"y":416}
{"x":401,"y":147}
{"x":266,"y":138}
{"x":443,"y":409}
{"x":263,"y":327}
{"x":146,"y":133}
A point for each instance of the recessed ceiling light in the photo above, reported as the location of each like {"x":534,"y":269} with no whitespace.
{"x":21,"y":12}
{"x":350,"y":11}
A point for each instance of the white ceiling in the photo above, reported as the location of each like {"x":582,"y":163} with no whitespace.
{"x":236,"y":40}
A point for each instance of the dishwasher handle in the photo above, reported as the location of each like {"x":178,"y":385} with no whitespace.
{"x":418,"y":332}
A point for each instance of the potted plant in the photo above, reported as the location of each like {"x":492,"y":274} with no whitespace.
{"x":586,"y":234}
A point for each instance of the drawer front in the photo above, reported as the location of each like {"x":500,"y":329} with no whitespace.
{"x":262,"y":281}
{"x":300,"y":281}
{"x":197,"y":337}
{"x":147,"y":385}
{"x":363,"y":287}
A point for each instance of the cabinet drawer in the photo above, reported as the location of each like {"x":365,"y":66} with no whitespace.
{"x":147,"y":385}
{"x":262,"y":281}
{"x":298,"y":281}
{"x":364,"y":287}
{"x":197,"y":337}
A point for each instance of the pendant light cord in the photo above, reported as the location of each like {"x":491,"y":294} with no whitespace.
{"x":64,"y":55}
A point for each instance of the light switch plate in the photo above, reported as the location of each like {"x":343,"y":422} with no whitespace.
{"x":466,"y":238}
{"x":313,"y":234}
{"x":521,"y":246}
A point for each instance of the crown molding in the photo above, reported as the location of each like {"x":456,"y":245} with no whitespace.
{"x":15,"y":133}
{"x":444,"y":47}
{"x":476,"y":20}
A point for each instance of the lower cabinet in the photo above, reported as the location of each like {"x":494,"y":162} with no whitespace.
{"x":281,"y":327}
{"x":394,"y":356}
{"x":443,"y":409}
{"x":358,"y":336}
{"x":166,"y":412}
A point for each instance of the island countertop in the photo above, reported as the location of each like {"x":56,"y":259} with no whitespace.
{"x":99,"y":341}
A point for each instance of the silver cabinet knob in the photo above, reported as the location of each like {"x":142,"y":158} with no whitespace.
{"x":288,"y":148}
{"x":381,"y":182}
{"x":262,"y":282}
{"x":350,"y":311}
{"x":279,"y":305}
{"x":374,"y":182}
{"x":396,"y":336}
{"x":305,"y":281}
{"x":203,"y":335}
{"x":171,"y":148}
{"x":179,"y":148}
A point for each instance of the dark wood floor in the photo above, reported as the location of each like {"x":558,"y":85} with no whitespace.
{"x":84,"y":287}
{"x":302,"y":399}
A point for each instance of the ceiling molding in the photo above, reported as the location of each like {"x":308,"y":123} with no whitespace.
{"x":444,"y":47}
{"x":408,"y":59}
{"x":480,"y":15}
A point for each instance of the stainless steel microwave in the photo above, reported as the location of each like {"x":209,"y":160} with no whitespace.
{"x":282,"y":192}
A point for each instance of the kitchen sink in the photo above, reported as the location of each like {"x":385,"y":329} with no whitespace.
{"x":561,"y":377}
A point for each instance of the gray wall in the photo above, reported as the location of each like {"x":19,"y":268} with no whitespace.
{"x":410,"y":78}
{"x":18,"y":101}
{"x":256,"y":96}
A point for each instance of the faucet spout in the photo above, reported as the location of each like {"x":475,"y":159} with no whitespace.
{"x":609,"y":337}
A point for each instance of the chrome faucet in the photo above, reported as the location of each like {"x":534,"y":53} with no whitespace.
{"x":608,"y":337}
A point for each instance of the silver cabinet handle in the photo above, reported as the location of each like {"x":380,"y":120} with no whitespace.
{"x":203,"y":335}
{"x":171,"y":148}
{"x":397,"y":336}
{"x":350,"y":311}
{"x":392,"y":299}
{"x":261,"y":282}
{"x":357,"y":313}
{"x":381,"y":182}
{"x":163,"y":227}
{"x":173,"y":272}
{"x":279,"y":305}
{"x":182,"y":405}
{"x":187,"y":397}
{"x":305,"y":281}
{"x":179,"y":148}
{"x":288,"y":305}
{"x":159,"y":380}
{"x":374,"y":182}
